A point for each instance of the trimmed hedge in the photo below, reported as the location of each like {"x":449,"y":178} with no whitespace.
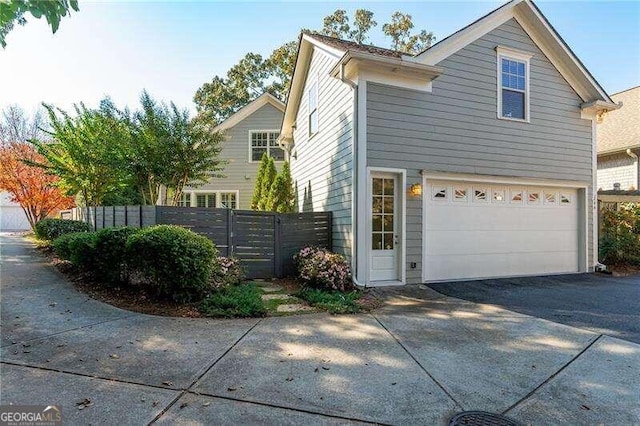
{"x":111,"y":249}
{"x":175,"y":260}
{"x":77,"y":247}
{"x":50,"y":229}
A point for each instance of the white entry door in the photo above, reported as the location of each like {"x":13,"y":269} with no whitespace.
{"x":385,"y":247}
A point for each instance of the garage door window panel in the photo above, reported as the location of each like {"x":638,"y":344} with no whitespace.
{"x":460,"y":194}
{"x":516,"y":196}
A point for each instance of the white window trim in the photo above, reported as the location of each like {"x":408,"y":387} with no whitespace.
{"x":315,"y":81}
{"x":520,"y":56}
{"x":193,"y":194}
{"x":251,"y":132}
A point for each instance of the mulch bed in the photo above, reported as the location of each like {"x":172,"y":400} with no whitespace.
{"x":137,"y":300}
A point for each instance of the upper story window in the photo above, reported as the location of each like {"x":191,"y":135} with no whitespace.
{"x":513,"y":85}
{"x":313,"y":108}
{"x":263,"y":141}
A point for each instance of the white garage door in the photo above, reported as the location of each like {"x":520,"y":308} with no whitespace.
{"x":475,"y":230}
{"x":12,"y":218}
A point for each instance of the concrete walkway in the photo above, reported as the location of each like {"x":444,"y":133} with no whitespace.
{"x":418,"y":360}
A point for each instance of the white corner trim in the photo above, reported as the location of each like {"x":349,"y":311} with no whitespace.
{"x":594,"y":192}
{"x":361,"y":187}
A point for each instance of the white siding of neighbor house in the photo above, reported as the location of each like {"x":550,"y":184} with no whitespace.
{"x":240,"y":172}
{"x":617,"y":168}
{"x":321,"y":165}
{"x":455,"y":128}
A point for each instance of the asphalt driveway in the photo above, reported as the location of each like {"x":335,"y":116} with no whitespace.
{"x":600,"y":303}
{"x":418,"y":360}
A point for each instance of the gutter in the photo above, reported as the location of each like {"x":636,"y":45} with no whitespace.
{"x":635,"y":169}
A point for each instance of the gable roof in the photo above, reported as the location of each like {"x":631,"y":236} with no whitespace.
{"x":620,"y":130}
{"x":344,"y":51}
{"x":250,"y":108}
{"x":536,"y":25}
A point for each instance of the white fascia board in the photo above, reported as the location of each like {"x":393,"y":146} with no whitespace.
{"x":247,"y":110}
{"x":464,"y":37}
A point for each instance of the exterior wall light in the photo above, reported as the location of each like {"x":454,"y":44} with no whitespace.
{"x":416,"y":190}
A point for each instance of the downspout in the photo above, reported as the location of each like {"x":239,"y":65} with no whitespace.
{"x":635,"y":169}
{"x":354,"y":177}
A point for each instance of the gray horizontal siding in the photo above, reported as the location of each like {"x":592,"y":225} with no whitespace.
{"x":322,"y":164}
{"x":240,"y":173}
{"x":455,"y":129}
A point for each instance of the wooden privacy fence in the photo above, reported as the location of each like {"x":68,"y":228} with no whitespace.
{"x":265,"y":242}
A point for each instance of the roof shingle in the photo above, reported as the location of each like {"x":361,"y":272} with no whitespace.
{"x":620,"y":129}
{"x":347,"y":45}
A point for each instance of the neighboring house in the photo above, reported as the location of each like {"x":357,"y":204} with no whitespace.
{"x":472,"y":159}
{"x":12,"y":217}
{"x":619,"y":144}
{"x":249,"y":133}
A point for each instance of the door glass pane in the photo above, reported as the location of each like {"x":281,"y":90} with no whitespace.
{"x":388,"y":241}
{"x":388,"y":187}
{"x":211,"y":200}
{"x":376,"y":241}
{"x":377,"y":222}
{"x":377,"y":186}
{"x":388,"y":204}
{"x":377,"y":204}
{"x":201,"y":200}
{"x":388,"y":222}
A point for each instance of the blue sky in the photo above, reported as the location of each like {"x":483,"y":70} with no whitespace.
{"x":172,"y":48}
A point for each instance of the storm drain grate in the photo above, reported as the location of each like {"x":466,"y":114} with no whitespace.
{"x":481,"y":418}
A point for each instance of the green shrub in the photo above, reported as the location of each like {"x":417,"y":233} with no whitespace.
{"x":620,"y":237}
{"x":111,"y":250}
{"x":334,"y":302}
{"x":235,"y":301}
{"x":78,"y":247}
{"x":320,"y":268}
{"x":50,"y":229}
{"x":226,"y":271}
{"x":175,"y":261}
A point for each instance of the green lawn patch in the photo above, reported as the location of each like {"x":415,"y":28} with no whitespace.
{"x":240,"y":301}
{"x":334,"y":302}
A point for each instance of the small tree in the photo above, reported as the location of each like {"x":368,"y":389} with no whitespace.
{"x":257,"y":189}
{"x":30,"y":186}
{"x":267,"y":181}
{"x":281,"y":195}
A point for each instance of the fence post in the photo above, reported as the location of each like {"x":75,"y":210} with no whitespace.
{"x":140,"y":212}
{"x":126,"y":219}
{"x":229,"y":233}
{"x":277,"y":230}
{"x":95,"y":218}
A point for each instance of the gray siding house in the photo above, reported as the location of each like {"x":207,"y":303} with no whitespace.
{"x":619,"y":144}
{"x":472,"y":159}
{"x":249,"y":133}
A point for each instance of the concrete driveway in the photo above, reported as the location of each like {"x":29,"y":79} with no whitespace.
{"x":600,"y":303}
{"x":419,"y":360}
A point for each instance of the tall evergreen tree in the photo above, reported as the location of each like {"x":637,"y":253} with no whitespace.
{"x":257,"y":189}
{"x":267,"y":181}
{"x":281,"y":194}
